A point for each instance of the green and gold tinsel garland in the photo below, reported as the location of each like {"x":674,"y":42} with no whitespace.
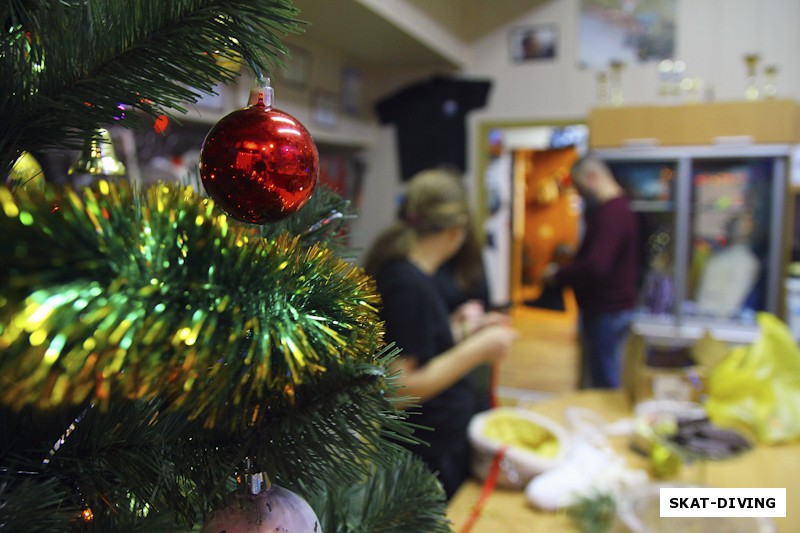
{"x":159,"y":294}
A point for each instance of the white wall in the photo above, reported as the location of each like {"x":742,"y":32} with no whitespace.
{"x":382,"y":184}
{"x":326,"y":75}
{"x":712,"y":37}
{"x":535,"y":89}
{"x":381,"y":190}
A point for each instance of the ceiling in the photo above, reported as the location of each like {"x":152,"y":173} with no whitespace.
{"x":366,"y":36}
{"x":470,"y":20}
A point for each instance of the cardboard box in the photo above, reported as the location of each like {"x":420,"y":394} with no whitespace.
{"x":761,"y":122}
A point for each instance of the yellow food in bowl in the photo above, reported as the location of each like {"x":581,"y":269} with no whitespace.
{"x":514,"y":431}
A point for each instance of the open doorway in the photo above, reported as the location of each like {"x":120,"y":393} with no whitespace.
{"x":550,"y":218}
{"x":528,"y":207}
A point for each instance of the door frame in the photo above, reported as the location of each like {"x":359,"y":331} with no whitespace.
{"x":485,"y":128}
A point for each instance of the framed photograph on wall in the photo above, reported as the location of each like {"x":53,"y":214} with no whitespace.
{"x":325,"y":108}
{"x":631,"y":32}
{"x":352,"y":91}
{"x":530,"y":43}
{"x":296,"y":69}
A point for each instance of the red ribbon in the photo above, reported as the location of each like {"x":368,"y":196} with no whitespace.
{"x":491,"y":479}
{"x":488,"y":488}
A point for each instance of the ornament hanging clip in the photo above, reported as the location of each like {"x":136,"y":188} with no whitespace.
{"x":262,"y":95}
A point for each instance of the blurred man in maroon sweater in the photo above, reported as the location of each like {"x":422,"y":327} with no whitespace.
{"x":604,"y":273}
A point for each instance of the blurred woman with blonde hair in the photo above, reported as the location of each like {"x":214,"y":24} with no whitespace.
{"x":438,"y":351}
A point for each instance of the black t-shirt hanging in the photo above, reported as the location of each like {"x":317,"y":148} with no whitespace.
{"x":430,"y":121}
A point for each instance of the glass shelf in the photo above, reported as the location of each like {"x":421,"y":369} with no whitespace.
{"x":712,"y":230}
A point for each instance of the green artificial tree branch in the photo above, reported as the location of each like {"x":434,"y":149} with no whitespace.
{"x":34,"y":504}
{"x":67,"y":66}
{"x":165,"y":295}
{"x":323,"y":219}
{"x":102,"y":295}
{"x":148,"y":345}
{"x":397,"y":497}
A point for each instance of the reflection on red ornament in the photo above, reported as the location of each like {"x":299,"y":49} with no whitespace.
{"x":259,"y":164}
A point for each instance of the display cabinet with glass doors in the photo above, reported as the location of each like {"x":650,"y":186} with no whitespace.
{"x":712,"y":232}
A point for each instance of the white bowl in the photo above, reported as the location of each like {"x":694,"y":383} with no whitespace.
{"x":519,"y":465}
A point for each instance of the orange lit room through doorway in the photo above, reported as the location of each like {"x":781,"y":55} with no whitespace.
{"x":547,"y":214}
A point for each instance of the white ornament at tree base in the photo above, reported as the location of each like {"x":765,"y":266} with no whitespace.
{"x":273,"y":509}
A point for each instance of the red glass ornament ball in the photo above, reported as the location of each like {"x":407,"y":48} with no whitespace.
{"x":259,"y":164}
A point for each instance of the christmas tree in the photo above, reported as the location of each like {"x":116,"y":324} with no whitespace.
{"x":159,"y":359}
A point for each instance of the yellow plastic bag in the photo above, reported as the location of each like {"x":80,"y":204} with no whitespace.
{"x":757,"y":388}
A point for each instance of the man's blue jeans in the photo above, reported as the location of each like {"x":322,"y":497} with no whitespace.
{"x":602,"y":341}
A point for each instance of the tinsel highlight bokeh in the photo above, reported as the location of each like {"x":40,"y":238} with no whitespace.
{"x":118,"y":294}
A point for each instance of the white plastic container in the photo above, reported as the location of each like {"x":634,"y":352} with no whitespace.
{"x":639,"y":512}
{"x":519,"y":465}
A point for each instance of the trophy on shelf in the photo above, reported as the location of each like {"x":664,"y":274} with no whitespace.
{"x":665,"y":81}
{"x":770,"y":83}
{"x":602,"y":88}
{"x":751,"y":90}
{"x":674,"y":87}
{"x":615,"y":82}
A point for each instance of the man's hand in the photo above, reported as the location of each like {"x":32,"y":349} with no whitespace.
{"x":549,"y":274}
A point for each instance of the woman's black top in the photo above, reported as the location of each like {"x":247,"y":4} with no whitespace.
{"x":418,"y":321}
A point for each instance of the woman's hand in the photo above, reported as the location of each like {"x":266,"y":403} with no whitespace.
{"x":470,"y":317}
{"x":549,"y":274}
{"x":466,"y":319}
{"x":492,"y":342}
{"x":493,"y":318}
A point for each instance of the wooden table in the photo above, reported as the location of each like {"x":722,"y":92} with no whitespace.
{"x":507,"y":511}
